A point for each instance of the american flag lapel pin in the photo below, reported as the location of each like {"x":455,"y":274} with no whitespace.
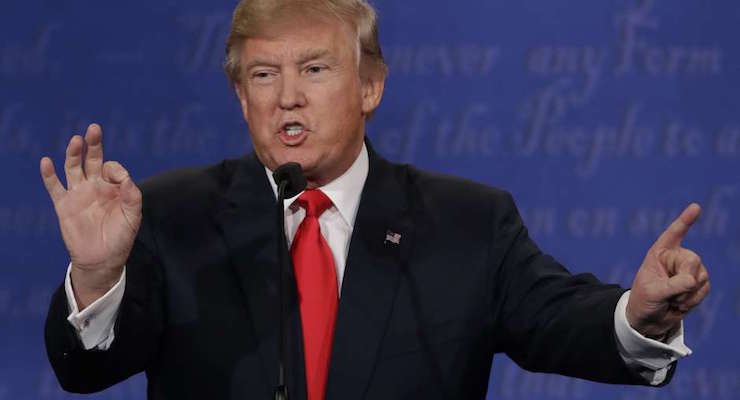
{"x":392,"y":237}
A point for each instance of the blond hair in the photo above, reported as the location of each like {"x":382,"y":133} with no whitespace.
{"x":251,"y":17}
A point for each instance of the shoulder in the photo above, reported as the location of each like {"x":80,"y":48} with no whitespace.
{"x":439,"y":196}
{"x":443,"y":191}
{"x":440,"y":202}
{"x":185,"y":190}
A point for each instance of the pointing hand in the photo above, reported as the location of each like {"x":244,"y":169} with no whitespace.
{"x":670,"y":282}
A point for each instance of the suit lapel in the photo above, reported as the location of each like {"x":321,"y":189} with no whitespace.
{"x":370,"y":280}
{"x":247,"y":220}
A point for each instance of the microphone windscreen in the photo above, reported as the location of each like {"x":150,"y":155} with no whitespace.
{"x":292,"y":174}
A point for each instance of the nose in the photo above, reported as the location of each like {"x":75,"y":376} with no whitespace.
{"x":292,"y":94}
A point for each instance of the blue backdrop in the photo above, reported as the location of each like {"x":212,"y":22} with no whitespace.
{"x":604,"y":119}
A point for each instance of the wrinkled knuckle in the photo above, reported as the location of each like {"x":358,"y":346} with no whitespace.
{"x":691,"y":258}
{"x":661,"y":253}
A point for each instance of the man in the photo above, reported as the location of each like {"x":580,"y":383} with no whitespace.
{"x":407,"y":282}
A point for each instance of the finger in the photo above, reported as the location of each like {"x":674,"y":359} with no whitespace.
{"x":680,"y":261}
{"x":675,"y":286}
{"x":94,"y":156}
{"x":675,"y":232}
{"x":693,"y":299}
{"x":114,"y":172}
{"x":703,"y":275}
{"x":51,"y":180}
{"x":73,"y":162}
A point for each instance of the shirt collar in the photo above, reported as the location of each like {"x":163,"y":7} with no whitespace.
{"x":344,"y":192}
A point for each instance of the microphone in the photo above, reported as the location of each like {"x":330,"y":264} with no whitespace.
{"x":290,"y":181}
{"x":291,"y":175}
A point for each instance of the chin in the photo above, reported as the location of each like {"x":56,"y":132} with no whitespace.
{"x":309,"y":168}
{"x":306,"y":165}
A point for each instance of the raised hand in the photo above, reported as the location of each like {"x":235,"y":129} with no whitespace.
{"x":99,"y":214}
{"x":670,"y":282}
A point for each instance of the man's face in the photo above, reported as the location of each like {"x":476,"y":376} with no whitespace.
{"x":303,"y":98}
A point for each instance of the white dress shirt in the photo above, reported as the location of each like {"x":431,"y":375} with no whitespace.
{"x":338,"y":221}
{"x":94,"y":324}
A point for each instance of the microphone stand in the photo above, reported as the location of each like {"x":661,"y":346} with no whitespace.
{"x":281,"y":391}
{"x":290,"y":181}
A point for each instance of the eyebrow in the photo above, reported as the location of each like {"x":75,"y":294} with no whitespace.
{"x":303,"y":57}
{"x":259,"y":61}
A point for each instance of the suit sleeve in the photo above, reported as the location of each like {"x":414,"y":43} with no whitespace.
{"x":138,"y":327}
{"x":551,"y":320}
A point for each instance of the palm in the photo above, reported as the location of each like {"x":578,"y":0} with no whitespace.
{"x":96,"y":230}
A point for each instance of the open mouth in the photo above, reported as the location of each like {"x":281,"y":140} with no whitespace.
{"x":293,"y":129}
{"x":293,"y":133}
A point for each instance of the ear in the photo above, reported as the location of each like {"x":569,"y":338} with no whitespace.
{"x":372,"y":91}
{"x":242,"y":95}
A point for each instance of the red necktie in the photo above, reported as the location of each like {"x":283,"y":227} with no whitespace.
{"x":316,"y":278}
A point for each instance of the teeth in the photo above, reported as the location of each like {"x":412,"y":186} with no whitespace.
{"x":294,"y":129}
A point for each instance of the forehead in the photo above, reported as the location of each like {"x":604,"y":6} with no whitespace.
{"x":299,"y":37}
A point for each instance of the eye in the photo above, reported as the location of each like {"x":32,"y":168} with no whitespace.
{"x":315,"y":69}
{"x":262,"y":76}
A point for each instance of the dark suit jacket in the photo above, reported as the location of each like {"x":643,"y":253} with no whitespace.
{"x":419,"y":319}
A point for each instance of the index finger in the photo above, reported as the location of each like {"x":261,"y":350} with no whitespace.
{"x":675,"y":232}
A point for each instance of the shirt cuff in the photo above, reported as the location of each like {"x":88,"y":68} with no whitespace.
{"x":652,"y":359}
{"x":94,"y":325}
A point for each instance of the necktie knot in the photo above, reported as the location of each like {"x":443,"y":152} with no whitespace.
{"x":314,"y":201}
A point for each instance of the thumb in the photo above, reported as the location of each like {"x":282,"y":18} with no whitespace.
{"x":676,"y":285}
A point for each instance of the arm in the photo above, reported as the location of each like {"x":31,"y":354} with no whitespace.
{"x":551,"y":320}
{"x":138,"y":327}
{"x":572,"y":325}
{"x":100,"y":214}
